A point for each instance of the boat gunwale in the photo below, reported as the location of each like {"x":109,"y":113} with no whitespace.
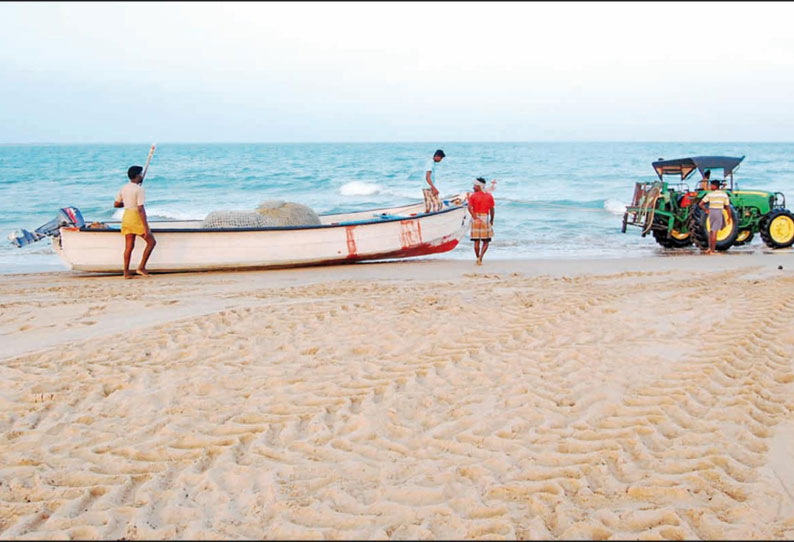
{"x":274,"y":228}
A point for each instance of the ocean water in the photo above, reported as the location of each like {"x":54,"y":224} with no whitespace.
{"x":553,"y":200}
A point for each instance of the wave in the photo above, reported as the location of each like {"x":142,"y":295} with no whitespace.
{"x":160,"y":213}
{"x":615,"y":207}
{"x":360,"y":188}
{"x":609,"y":205}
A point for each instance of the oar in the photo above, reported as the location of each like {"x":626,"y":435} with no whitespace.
{"x":149,"y":159}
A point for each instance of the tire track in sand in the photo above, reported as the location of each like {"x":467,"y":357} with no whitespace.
{"x":385,"y":410}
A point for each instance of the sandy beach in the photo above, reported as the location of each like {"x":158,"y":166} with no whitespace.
{"x":646,"y":398}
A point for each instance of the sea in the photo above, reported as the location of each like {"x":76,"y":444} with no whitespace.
{"x":561,"y":200}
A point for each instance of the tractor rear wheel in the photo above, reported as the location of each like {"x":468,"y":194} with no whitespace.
{"x":777,"y":228}
{"x":700,"y":228}
{"x":744,"y":238}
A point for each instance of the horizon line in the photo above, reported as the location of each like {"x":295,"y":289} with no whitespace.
{"x":437,"y":142}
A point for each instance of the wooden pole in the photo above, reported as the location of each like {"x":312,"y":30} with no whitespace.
{"x":149,"y":159}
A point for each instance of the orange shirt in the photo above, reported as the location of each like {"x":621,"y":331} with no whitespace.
{"x":481,"y":202}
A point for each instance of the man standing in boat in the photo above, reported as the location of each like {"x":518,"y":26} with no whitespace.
{"x":431,"y":194}
{"x":481,"y":209}
{"x":134,"y":222}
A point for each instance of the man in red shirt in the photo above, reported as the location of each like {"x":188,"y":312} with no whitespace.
{"x":481,"y":208}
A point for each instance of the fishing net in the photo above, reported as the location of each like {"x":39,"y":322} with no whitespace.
{"x":269,"y":213}
{"x":286,"y":213}
{"x":234,"y":219}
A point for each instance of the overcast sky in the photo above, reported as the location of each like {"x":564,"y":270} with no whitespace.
{"x":271,"y":72}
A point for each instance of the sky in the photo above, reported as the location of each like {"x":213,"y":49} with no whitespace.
{"x":396,"y":71}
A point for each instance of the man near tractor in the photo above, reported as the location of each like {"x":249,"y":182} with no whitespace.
{"x":705,"y":181}
{"x":717,"y":200}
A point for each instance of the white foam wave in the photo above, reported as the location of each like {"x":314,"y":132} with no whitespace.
{"x":360,"y":188}
{"x":615,"y":207}
{"x":167,"y":213}
{"x":178,"y":214}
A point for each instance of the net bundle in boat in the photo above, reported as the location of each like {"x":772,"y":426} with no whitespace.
{"x":287,"y":213}
{"x":269,"y":213}
{"x":234,"y":219}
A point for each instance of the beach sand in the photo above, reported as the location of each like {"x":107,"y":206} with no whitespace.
{"x":646,"y":398}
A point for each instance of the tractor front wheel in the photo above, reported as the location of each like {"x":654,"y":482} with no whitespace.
{"x":700,"y":227}
{"x":676,"y":239}
{"x":680,"y":240}
{"x":744,"y":238}
{"x":777,"y":228}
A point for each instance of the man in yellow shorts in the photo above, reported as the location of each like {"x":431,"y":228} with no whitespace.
{"x":131,"y":197}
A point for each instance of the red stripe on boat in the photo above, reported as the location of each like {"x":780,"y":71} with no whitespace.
{"x":410,"y":233}
{"x":351,"y":242}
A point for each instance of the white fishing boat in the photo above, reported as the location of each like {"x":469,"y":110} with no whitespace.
{"x":377,"y":234}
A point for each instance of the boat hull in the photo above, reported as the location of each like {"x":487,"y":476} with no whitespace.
{"x":343,"y":238}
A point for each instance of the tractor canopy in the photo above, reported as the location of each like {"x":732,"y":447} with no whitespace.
{"x":686,"y":166}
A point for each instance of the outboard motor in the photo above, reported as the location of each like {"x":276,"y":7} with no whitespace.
{"x":68,"y":216}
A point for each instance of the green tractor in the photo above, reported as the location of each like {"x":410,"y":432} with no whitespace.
{"x":670,"y":211}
